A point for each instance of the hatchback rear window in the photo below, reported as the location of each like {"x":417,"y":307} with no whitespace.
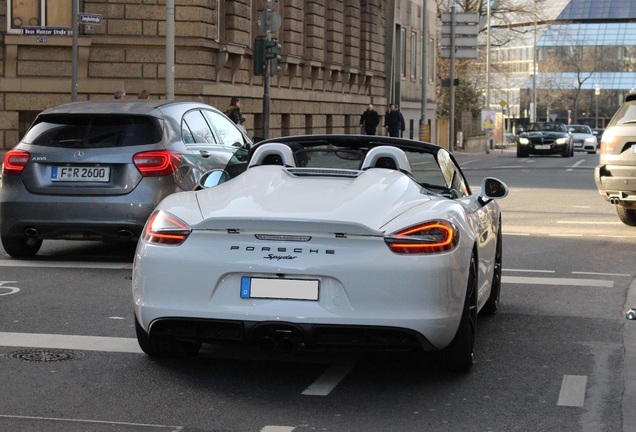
{"x":93,"y":131}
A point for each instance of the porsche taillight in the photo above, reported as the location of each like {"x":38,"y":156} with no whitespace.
{"x":14,"y":162}
{"x":425,"y":238}
{"x":165,"y":229}
{"x":157,"y":163}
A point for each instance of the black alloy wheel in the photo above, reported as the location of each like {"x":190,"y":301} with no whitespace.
{"x":458,"y":355}
{"x":492,"y":304}
{"x":21,"y":247}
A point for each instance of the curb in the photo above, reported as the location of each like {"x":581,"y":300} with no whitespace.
{"x":629,"y":365}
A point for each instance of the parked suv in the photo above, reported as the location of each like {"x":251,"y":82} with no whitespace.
{"x":615,"y":174}
{"x":96,"y":170}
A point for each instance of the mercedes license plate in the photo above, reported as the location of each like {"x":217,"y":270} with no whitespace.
{"x":80,"y":174}
{"x":274,"y":288}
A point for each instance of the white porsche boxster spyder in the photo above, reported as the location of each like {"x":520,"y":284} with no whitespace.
{"x":324,"y":242}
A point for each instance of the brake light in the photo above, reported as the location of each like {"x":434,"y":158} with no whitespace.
{"x":157,"y":163}
{"x":429,"y":237}
{"x":14,"y":162}
{"x":165,"y":229}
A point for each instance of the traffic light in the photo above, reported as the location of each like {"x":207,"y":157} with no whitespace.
{"x":259,"y":56}
{"x":273,"y":55}
{"x":266,"y":50}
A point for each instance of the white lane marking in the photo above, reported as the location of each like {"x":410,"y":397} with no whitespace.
{"x":530,"y":271}
{"x":328,"y":380}
{"x":572,"y":391}
{"x":576,"y":164}
{"x":88,"y":343}
{"x":66,"y":264}
{"x":602,"y":274}
{"x":278,"y":429}
{"x":12,"y":290}
{"x":588,"y":222}
{"x":56,"y":419}
{"x":565,"y":235}
{"x":557,"y":281}
{"x":517,"y":234}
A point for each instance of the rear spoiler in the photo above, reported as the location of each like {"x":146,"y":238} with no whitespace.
{"x":287,"y":225}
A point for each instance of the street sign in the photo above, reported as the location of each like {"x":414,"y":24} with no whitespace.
{"x":553,"y":116}
{"x":461,"y":34}
{"x":87,"y":18}
{"x":469,"y":42}
{"x":465,"y":53}
{"x":46,"y":31}
{"x":461,"y":17}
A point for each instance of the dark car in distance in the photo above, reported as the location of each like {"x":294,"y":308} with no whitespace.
{"x":96,"y":170}
{"x":615,"y":175}
{"x":545,"y":138}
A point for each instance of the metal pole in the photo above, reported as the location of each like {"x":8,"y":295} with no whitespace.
{"x":533,"y":110}
{"x":597,"y":92}
{"x":266,"y":97}
{"x":424,"y":74}
{"x":170,"y":49}
{"x":74,"y":50}
{"x":451,"y":128}
{"x":487,"y":102}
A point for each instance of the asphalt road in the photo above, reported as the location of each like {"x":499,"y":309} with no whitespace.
{"x":559,"y":355}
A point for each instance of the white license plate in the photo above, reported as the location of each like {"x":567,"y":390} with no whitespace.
{"x":633,"y":148}
{"x":542,"y":147}
{"x":80,"y":174}
{"x":291,"y":289}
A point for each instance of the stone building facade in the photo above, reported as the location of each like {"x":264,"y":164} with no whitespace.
{"x":337,"y":57}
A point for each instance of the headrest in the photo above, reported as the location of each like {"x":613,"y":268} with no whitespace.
{"x":273,"y":154}
{"x":386,"y":157}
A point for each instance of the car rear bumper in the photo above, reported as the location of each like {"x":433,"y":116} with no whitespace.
{"x":359,"y":289}
{"x":616,"y":182}
{"x":107,"y":218}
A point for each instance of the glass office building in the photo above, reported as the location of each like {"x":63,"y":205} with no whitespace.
{"x":577,"y":61}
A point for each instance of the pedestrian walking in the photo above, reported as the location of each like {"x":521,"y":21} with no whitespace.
{"x":369,"y":120}
{"x":393,"y":121}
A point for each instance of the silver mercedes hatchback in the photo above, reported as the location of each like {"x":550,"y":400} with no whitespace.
{"x":96,"y":170}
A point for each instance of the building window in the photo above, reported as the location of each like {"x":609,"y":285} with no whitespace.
{"x":39,"y":13}
{"x":403,"y":53}
{"x":413,"y":55}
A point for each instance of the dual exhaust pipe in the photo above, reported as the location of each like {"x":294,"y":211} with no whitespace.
{"x":614,"y":200}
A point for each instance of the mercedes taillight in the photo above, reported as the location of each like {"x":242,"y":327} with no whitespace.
{"x":14,"y":162}
{"x":157,"y":163}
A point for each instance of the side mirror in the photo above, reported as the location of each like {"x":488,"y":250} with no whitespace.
{"x":492,"y":188}
{"x":212,"y":178}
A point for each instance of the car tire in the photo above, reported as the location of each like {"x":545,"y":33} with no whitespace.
{"x":521,"y":154}
{"x":21,"y":247}
{"x":627,"y":216}
{"x":458,"y":355}
{"x":165,"y":347}
{"x":492,"y":304}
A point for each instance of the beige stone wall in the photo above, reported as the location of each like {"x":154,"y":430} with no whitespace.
{"x":333,"y":61}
